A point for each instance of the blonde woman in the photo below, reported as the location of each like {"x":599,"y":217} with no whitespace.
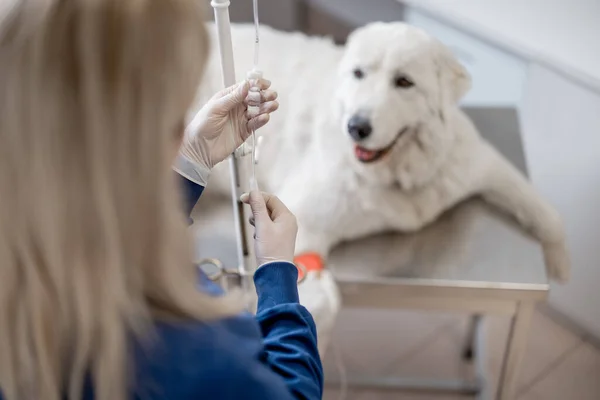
{"x":98,"y":296}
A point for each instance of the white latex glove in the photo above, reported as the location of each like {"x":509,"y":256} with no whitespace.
{"x":222,"y":125}
{"x":275,"y":228}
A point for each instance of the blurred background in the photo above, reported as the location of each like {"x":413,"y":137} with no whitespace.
{"x":535,"y":66}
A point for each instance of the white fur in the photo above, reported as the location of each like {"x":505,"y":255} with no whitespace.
{"x":307,"y":157}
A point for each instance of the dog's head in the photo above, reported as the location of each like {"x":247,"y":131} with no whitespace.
{"x":394,"y":78}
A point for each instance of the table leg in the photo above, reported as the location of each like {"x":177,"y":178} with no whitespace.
{"x":480,"y":358}
{"x":515,"y":348}
{"x":469,"y":347}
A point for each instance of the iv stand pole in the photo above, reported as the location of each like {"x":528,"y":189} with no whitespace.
{"x":223,"y":25}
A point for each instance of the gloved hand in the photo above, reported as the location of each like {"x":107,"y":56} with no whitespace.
{"x":222,"y":125}
{"x":275,"y":228}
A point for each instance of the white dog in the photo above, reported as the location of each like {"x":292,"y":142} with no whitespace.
{"x":370,"y":138}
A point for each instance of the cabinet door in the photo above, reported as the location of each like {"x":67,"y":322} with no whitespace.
{"x":561,"y":137}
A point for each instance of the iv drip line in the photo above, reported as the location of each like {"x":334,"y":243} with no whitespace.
{"x":256,"y":34}
{"x":255,"y":74}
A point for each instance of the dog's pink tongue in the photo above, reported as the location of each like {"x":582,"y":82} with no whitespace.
{"x":364,"y":154}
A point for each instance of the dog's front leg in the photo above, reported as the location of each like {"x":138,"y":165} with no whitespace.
{"x":319,"y":207}
{"x":505,"y":187}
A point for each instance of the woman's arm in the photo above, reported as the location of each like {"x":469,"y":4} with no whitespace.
{"x":288,"y":329}
{"x":192,"y":192}
{"x":290,"y":335}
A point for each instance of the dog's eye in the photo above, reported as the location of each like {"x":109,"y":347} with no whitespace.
{"x":358,"y":73}
{"x":403,"y":82}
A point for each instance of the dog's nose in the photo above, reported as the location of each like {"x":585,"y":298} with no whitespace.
{"x":359,"y":128}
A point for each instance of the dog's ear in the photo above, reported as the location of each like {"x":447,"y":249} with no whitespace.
{"x":454,"y":79}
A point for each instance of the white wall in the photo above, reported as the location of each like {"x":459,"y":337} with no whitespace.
{"x":559,"y":34}
{"x":561,"y":125}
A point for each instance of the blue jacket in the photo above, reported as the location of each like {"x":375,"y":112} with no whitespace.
{"x":270,"y":356}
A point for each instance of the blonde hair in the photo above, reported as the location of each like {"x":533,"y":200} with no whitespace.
{"x":93,"y":242}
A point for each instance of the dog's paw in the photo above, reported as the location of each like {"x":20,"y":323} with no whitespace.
{"x":558,"y":263}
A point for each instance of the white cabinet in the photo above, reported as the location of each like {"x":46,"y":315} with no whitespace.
{"x":561,"y":137}
{"x":498,"y":77}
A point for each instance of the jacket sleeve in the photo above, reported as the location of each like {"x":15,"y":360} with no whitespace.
{"x":289,"y":331}
{"x":191,"y":192}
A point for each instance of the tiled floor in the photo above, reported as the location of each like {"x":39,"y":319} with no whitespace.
{"x":558,"y":365}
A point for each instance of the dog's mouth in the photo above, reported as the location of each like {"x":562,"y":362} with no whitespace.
{"x":369,"y":156}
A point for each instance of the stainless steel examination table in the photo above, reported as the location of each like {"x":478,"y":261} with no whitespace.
{"x":472,"y":260}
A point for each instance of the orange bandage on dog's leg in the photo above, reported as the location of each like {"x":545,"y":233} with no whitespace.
{"x":308,"y":262}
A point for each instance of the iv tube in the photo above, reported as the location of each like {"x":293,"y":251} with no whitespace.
{"x":256,"y":35}
{"x":255,"y":74}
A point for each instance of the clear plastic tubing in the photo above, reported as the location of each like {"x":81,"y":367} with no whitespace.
{"x":255,"y":74}
{"x":256,"y":34}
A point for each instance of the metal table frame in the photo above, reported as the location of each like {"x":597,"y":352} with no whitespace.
{"x":475,"y":298}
